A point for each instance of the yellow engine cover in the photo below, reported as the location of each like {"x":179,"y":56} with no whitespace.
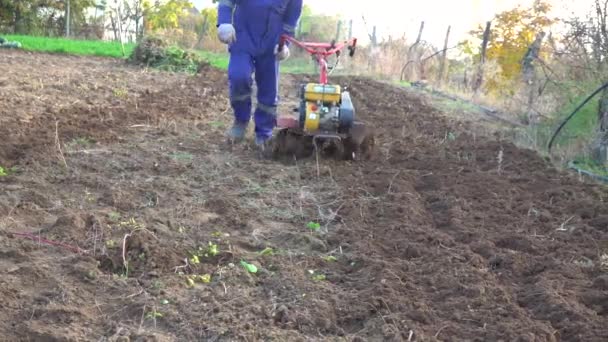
{"x":322,"y":92}
{"x":311,"y":121}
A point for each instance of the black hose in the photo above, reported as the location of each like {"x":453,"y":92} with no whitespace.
{"x":574,"y":113}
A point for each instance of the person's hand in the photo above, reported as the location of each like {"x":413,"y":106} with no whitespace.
{"x":226,"y":33}
{"x":283,"y":54}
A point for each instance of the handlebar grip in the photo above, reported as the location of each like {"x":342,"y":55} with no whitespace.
{"x":352,"y":48}
{"x":282,"y":41}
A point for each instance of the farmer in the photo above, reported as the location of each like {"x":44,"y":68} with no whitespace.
{"x":252,"y":30}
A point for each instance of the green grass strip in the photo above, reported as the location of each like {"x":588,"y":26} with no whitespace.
{"x":72,"y":46}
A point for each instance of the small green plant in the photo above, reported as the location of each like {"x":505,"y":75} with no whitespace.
{"x":195,"y":260}
{"x":114,"y":216}
{"x":267,"y":251}
{"x":154,"y":314}
{"x":191,"y":279}
{"x":5,"y":172}
{"x":120,"y":92}
{"x":317,"y":276}
{"x":330,"y":258}
{"x":132,"y":224}
{"x":205,"y":278}
{"x":212,"y":249}
{"x":313,"y":226}
{"x":249,"y":267}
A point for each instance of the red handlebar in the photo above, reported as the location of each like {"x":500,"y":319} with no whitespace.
{"x":320,"y":51}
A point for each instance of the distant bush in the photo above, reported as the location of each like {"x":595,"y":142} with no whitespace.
{"x":157,"y":53}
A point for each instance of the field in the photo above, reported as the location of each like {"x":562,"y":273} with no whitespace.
{"x":124,"y":217}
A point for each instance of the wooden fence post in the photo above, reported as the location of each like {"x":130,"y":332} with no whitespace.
{"x":484,"y":46}
{"x":338,"y":30}
{"x":409,"y":59}
{"x":529,"y":76}
{"x":444,"y":57}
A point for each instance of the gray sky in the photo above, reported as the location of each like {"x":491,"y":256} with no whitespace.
{"x":404,"y":16}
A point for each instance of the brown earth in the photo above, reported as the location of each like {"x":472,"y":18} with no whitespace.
{"x":446,"y":235}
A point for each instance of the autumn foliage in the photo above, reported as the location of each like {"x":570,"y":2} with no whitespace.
{"x":512,"y":34}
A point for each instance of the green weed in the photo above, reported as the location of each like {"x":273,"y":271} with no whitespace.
{"x":330,"y":258}
{"x":267,"y":252}
{"x":114,"y":216}
{"x":251,"y":268}
{"x":193,"y":278}
{"x":317,"y":276}
{"x":4,"y":171}
{"x":131,"y":224}
{"x":121,"y":93}
{"x":313,"y":226}
{"x":154,"y":314}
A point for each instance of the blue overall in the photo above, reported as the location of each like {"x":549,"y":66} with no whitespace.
{"x":258,"y":25}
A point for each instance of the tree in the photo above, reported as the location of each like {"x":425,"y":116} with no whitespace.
{"x":135,"y":11}
{"x":166,"y":14}
{"x":512,"y":34}
{"x":318,"y":27}
{"x":207,"y":27}
{"x":41,"y":16}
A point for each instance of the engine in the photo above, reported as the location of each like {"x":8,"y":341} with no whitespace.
{"x":325,"y":108}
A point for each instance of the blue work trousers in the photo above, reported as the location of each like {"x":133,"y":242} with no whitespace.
{"x":241,"y":68}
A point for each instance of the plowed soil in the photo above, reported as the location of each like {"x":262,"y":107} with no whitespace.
{"x":117,"y":176}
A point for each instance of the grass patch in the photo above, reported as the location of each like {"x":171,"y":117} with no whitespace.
{"x":581,"y":126}
{"x":215,"y":59}
{"x":405,"y":84}
{"x":579,"y":131}
{"x":72,"y":46}
{"x":291,"y":66}
{"x":590,"y":165}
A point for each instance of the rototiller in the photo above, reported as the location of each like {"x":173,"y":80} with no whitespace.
{"x":326,"y":111}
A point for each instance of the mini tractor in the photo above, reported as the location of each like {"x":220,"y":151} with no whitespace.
{"x":325,"y":120}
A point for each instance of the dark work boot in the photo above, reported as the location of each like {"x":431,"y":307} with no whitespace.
{"x":237,"y":132}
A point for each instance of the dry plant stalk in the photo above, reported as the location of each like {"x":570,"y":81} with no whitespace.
{"x":125,"y":262}
{"x":500,"y":160}
{"x":58,"y":144}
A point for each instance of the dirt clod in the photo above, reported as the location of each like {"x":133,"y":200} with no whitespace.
{"x":601,"y":282}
